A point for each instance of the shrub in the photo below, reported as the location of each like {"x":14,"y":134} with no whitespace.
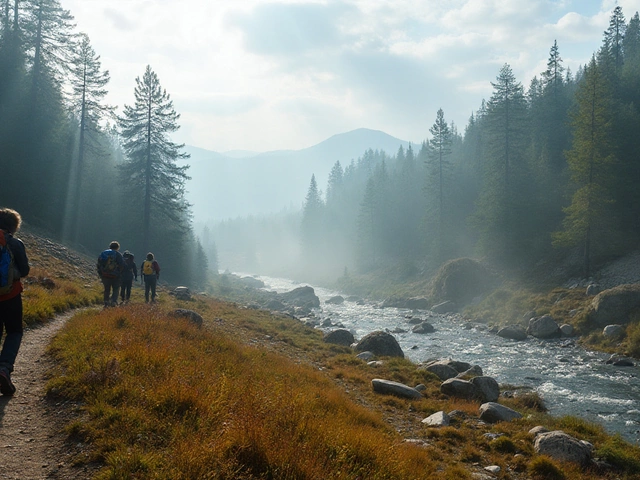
{"x":543,"y":468}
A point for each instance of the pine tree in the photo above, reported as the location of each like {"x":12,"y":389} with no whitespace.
{"x":590,"y":161}
{"x":150,"y":169}
{"x":312,"y":223}
{"x":88,"y":84}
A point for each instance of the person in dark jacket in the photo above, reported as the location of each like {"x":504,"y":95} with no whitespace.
{"x":11,"y":302}
{"x":128,"y":274}
{"x":151,"y":273}
{"x":110,"y":266}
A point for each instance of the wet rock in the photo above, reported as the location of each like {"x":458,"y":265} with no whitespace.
{"x":513,"y":332}
{"x":423,"y":328}
{"x":620,"y":361}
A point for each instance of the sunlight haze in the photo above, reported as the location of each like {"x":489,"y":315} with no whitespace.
{"x":265,"y":75}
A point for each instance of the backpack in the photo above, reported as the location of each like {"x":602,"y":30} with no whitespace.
{"x":147,"y":267}
{"x":7,"y":265}
{"x":108,"y":264}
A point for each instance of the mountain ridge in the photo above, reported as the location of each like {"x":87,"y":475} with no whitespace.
{"x":223,"y":187}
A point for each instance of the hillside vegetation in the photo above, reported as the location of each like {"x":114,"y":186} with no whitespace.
{"x":255,"y":395}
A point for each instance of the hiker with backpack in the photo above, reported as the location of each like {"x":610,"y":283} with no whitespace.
{"x":151,"y":273}
{"x":110,"y":267}
{"x":130,"y":271}
{"x":14,"y":265}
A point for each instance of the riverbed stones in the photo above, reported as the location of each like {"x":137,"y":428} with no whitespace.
{"x":513,"y":332}
{"x":381,"y":344}
{"x":613,"y":306}
{"x":543,"y":327}
{"x":395,"y":388}
{"x":493,"y":412}
{"x":423,"y":328}
{"x":561,"y":446}
{"x":340,"y":336}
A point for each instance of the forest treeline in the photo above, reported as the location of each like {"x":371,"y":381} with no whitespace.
{"x":541,"y":175}
{"x":71,"y":164}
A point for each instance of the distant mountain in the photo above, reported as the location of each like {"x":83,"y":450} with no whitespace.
{"x":243,"y":183}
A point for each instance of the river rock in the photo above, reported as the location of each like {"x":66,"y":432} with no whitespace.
{"x":494,"y":412}
{"x":335,"y":300}
{"x":190,"y":315}
{"x":567,"y":330}
{"x":488,"y":387}
{"x":444,"y":307}
{"x":456,"y":387}
{"x":438,"y":419}
{"x":513,"y":332}
{"x":442,"y":371}
{"x":543,"y":327}
{"x":424,"y":327}
{"x":340,"y":336}
{"x":381,"y":343}
{"x":620,"y":361}
{"x":613,"y":331}
{"x":303,"y":297}
{"x":395,"y":388}
{"x":614,"y":306}
{"x":413,"y":303}
{"x":561,"y":446}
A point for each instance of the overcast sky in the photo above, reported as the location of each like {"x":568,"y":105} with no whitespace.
{"x":268,"y":75}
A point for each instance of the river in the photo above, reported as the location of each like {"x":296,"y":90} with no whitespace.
{"x":570,"y":379}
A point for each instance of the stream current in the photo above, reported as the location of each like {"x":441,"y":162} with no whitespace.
{"x":570,"y":379}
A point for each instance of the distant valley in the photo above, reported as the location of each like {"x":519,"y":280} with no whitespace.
{"x":239,"y":183}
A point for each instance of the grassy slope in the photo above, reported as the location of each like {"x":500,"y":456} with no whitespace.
{"x":253,"y":395}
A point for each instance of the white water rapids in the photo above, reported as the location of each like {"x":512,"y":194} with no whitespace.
{"x":570,"y":379}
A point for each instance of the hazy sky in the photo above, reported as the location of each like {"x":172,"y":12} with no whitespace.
{"x":267,"y":75}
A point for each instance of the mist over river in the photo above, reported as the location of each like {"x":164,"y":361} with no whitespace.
{"x":570,"y":379}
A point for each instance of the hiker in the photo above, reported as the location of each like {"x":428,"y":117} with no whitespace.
{"x":110,"y":267}
{"x":128,"y":274}
{"x":151,"y":273}
{"x":14,"y":265}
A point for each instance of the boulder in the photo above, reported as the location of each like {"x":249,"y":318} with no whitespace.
{"x":444,"y":307}
{"x":456,"y":364}
{"x":395,"y":388}
{"x":335,"y":300}
{"x":620,"y":361}
{"x":535,"y":431}
{"x":615,"y":305}
{"x":381,"y":344}
{"x":438,"y":419}
{"x":456,"y":387}
{"x":192,"y":316}
{"x":461,"y":280}
{"x":443,"y":372}
{"x":543,"y":327}
{"x":488,"y":387}
{"x":494,"y":412}
{"x":340,"y":336}
{"x":366,"y":356}
{"x":182,"y":293}
{"x":563,"y":447}
{"x":251,"y":282}
{"x":593,"y":289}
{"x":304,"y":297}
{"x":613,"y":331}
{"x":567,"y":330}
{"x":475,"y":371}
{"x":424,"y":327}
{"x":513,"y":332}
{"x":414,"y":303}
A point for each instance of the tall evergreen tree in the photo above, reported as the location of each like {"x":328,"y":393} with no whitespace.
{"x":590,"y":161}
{"x":88,"y":84}
{"x":151,"y":167}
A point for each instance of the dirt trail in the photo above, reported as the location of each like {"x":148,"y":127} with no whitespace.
{"x":32,"y":443}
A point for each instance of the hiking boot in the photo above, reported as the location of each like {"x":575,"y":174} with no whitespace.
{"x":6,"y":386}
